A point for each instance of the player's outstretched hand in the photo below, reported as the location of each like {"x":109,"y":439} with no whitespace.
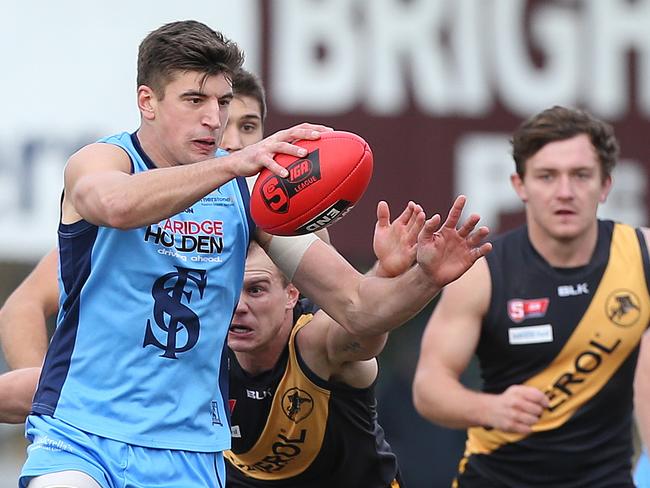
{"x":446,"y":252}
{"x":395,"y":244}
{"x":254,"y":158}
{"x":517,"y":409}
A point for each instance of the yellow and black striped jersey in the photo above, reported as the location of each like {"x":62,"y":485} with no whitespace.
{"x":574,"y":334}
{"x":295,"y":430}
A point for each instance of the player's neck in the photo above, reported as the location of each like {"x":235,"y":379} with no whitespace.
{"x":151,"y":147}
{"x":565,"y":253}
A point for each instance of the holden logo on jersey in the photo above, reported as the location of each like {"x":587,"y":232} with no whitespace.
{"x":520,"y":309}
{"x":203,"y":237}
{"x":623,"y":308}
{"x":171,"y":315}
{"x":297,"y":404}
{"x":277,"y":192}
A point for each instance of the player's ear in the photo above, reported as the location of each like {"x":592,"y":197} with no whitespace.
{"x":606,"y":187}
{"x":292,"y":296}
{"x":147,"y":102}
{"x":518,"y":184}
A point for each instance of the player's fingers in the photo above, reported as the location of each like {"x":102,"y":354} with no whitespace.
{"x":455,"y":212}
{"x":527,"y":402}
{"x":533,"y":394}
{"x":406,"y":214}
{"x":287,"y":148}
{"x":475,"y":238}
{"x":413,"y":216}
{"x":531,"y":408}
{"x":526,"y":418}
{"x":522,"y":428}
{"x":429,"y":228}
{"x":274,"y":167}
{"x":469,"y":225}
{"x":303,"y":131}
{"x":415,"y":225}
{"x":310,"y":126}
{"x":484,"y":249}
{"x":383,"y":214}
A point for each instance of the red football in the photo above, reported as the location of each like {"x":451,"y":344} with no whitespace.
{"x":320,"y":189}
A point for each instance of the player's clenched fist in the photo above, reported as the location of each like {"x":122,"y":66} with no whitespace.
{"x":517,"y":409}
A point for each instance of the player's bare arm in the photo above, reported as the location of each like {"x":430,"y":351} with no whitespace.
{"x":329,"y":349}
{"x":370,"y":305}
{"x":17,"y":389}
{"x":23,"y":331}
{"x":448,"y":344}
{"x":100,"y":188}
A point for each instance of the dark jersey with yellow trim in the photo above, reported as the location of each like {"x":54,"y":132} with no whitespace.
{"x":295,"y":430}
{"x":574,"y":334}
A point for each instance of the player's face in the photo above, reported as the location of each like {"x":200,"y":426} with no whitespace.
{"x":562,"y":188}
{"x":264,"y":305}
{"x":189,"y":120}
{"x":244,"y":125}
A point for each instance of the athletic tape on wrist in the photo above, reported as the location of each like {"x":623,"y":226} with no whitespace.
{"x":287,"y":252}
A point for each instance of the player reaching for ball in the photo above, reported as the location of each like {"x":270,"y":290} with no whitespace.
{"x":302,"y":387}
{"x":320,"y":189}
{"x":152,"y":243}
{"x":259,"y":336}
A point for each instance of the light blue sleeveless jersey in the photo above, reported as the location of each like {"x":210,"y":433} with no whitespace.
{"x":137,"y":355}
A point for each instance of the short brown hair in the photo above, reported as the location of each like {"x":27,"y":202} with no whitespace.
{"x":246,"y":84}
{"x":185,"y":45}
{"x":560,"y":123}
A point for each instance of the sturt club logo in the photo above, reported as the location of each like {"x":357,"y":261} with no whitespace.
{"x":297,"y":404}
{"x":176,"y":321}
{"x":623,"y":308}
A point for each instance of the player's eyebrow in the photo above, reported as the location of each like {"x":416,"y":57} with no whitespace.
{"x":251,"y":116}
{"x":193,"y":93}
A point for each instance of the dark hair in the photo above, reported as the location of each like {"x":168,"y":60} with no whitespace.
{"x":560,"y":123}
{"x":186,"y":45}
{"x":246,"y":84}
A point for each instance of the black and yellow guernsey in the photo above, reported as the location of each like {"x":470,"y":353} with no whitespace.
{"x":293,"y":429}
{"x":574,"y":334}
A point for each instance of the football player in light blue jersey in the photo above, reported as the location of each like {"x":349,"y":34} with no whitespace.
{"x":151,"y":262}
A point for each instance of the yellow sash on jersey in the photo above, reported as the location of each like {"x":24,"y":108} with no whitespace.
{"x":608,"y":332}
{"x":294,"y":431}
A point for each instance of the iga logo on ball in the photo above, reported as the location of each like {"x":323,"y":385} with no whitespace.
{"x":277,"y":192}
{"x":320,"y":188}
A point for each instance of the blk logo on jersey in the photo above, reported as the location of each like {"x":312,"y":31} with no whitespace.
{"x":178,"y":325}
{"x":573,"y":290}
{"x":258,"y":394}
{"x":520,"y":310}
{"x":622,"y":308}
{"x":297,"y":404}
